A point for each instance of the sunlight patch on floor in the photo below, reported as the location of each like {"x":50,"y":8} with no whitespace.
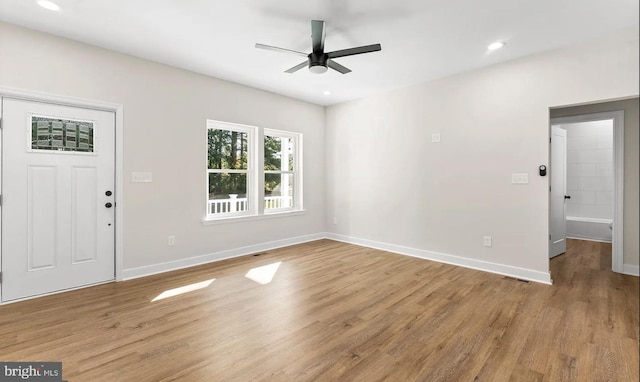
{"x":264,"y":274}
{"x":183,"y":290}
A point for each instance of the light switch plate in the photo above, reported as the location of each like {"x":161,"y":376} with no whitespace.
{"x":522,"y":178}
{"x":141,"y":177}
{"x":435,"y":138}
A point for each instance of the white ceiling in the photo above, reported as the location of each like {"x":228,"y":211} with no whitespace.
{"x":421,"y":39}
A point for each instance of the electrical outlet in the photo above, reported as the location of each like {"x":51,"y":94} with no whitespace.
{"x":335,"y":220}
{"x":171,"y":240}
{"x":488,"y":242}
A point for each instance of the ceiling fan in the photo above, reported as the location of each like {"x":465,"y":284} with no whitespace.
{"x":318,"y":61}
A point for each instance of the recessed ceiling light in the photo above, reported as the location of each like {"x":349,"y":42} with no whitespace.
{"x":496,"y":45}
{"x":327,"y":92}
{"x":50,"y":5}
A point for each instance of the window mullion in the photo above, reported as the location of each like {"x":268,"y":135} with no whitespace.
{"x":259,"y":172}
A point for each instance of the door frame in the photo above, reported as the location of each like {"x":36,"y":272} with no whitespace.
{"x":617,"y":261}
{"x":117,"y":109}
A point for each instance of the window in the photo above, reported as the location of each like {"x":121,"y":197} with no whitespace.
{"x":238,"y":184}
{"x":55,"y":134}
{"x":230,"y":161}
{"x":280,"y":170}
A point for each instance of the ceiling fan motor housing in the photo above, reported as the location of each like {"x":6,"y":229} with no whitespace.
{"x":318,"y":63}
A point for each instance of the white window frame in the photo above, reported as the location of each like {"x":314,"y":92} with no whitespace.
{"x":297,"y":171}
{"x":255,"y":175}
{"x":251,"y":171}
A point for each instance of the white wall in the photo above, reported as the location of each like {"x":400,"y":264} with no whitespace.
{"x":165,"y":110}
{"x":387,"y":183}
{"x":590,"y":169}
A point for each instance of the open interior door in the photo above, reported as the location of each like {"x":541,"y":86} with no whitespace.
{"x":557,"y":213}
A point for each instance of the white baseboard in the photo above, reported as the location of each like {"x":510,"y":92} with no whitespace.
{"x":149,"y":270}
{"x":632,"y":270}
{"x":599,"y":240}
{"x":501,"y":269}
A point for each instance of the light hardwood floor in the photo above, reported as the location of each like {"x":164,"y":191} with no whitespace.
{"x":338,"y":312}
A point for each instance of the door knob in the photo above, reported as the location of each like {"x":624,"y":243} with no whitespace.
{"x":108,"y":205}
{"x":108,"y":193}
{"x":567,"y":196}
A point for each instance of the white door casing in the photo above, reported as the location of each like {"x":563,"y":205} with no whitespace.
{"x":558,"y":171}
{"x":57,"y":231}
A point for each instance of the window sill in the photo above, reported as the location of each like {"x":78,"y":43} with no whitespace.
{"x":242,"y":219}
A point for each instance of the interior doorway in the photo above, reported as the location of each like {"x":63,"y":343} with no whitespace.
{"x":596,"y":165}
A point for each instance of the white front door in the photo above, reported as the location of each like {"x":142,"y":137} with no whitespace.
{"x":57,"y":198}
{"x":558,"y":171}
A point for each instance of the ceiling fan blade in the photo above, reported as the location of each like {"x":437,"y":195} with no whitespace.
{"x":298,"y":67}
{"x":283,"y":50}
{"x":337,"y":67}
{"x":352,"y":51}
{"x":317,"y":36}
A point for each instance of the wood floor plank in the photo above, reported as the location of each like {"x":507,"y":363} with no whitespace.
{"x":562,"y":368}
{"x":523,"y":374}
{"x":339,"y":312}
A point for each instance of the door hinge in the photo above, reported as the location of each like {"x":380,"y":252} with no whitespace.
{"x":549,"y":237}
{"x":0,"y":200}
{"x":0,"y":277}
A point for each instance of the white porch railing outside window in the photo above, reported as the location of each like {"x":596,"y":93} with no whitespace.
{"x":271,"y":202}
{"x":225,"y":206}
{"x":235,"y":204}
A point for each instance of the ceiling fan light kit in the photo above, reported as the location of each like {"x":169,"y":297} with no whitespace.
{"x":317,"y":68}
{"x":318,"y":61}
